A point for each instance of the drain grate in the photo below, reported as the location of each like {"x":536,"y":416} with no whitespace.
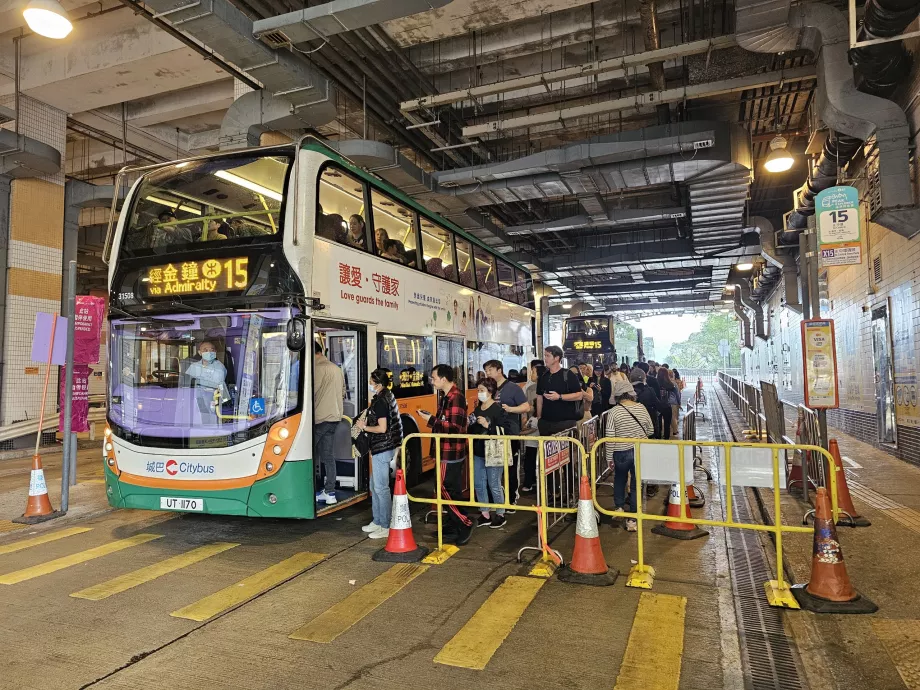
{"x":769,"y":662}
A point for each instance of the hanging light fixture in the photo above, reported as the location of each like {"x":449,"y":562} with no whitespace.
{"x":779,"y":159}
{"x":47,"y":18}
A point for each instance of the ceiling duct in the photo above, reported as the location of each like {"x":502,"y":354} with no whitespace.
{"x":784,"y":261}
{"x":773,"y":26}
{"x":252,"y":115}
{"x":741,"y":313}
{"x":221,"y":26}
{"x":743,"y":293}
{"x":22,"y":156}
{"x":338,"y":16}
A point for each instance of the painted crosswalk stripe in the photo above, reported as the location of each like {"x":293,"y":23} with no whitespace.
{"x":656,"y":644}
{"x":75,"y":559}
{"x":336,"y":620}
{"x":484,"y":633}
{"x":43,"y":539}
{"x":246,"y":589}
{"x":151,"y":572}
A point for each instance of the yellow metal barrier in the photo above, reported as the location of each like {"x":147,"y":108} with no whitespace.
{"x":642,"y":575}
{"x":549,"y":559}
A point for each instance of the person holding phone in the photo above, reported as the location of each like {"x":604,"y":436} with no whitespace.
{"x":603,"y":389}
{"x":450,"y":419}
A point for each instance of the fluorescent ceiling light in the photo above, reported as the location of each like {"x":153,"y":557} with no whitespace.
{"x":246,"y":184}
{"x":744,"y":267}
{"x":779,"y":159}
{"x":566,"y":306}
{"x":47,"y":18}
{"x":174,"y":205}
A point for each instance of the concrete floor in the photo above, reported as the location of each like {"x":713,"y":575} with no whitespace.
{"x":570,"y":635}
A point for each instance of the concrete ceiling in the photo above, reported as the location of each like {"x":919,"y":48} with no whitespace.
{"x":175,"y":100}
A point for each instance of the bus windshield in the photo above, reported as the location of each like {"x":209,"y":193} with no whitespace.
{"x":235,"y":199}
{"x":192,"y":380}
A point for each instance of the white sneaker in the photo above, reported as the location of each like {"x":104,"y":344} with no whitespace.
{"x":379,"y":533}
{"x":328,"y":499}
{"x":370,"y":527}
{"x":632,"y":525}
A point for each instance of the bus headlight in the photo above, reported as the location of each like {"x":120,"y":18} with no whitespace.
{"x":284,"y":433}
{"x":276,"y":450}
{"x":109,"y":447}
{"x":111,"y":462}
{"x":269,"y":466}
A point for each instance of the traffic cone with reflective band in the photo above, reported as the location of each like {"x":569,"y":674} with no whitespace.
{"x":678,"y":530}
{"x":844,"y":501}
{"x":694,"y":498}
{"x":38,"y":509}
{"x":401,"y":546}
{"x":588,"y":566}
{"x":829,"y":590}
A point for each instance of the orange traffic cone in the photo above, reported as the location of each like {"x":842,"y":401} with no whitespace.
{"x":38,"y":509}
{"x":401,"y":546}
{"x":678,"y":530}
{"x":588,"y":566}
{"x":844,"y":502}
{"x":829,"y":590}
{"x":694,"y":499}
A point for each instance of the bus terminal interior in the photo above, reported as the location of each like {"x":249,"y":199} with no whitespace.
{"x":238,"y":206}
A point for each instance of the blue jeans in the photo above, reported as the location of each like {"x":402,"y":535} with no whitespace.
{"x":624,"y":463}
{"x":493,"y":477}
{"x":381,"y":500}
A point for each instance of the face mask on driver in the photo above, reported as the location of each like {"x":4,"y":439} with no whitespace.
{"x":208,"y":356}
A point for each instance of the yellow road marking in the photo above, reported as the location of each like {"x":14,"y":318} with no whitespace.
{"x":484,"y":633}
{"x":9,"y":526}
{"x":246,"y":589}
{"x":656,"y":644}
{"x":334,"y":621}
{"x":75,"y":559}
{"x":43,"y":539}
{"x":151,"y":572}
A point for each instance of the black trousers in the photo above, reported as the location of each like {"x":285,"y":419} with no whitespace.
{"x":513,"y":467}
{"x":451,"y":476}
{"x":530,"y":466}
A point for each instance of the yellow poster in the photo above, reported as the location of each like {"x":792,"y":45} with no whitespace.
{"x":820,"y":363}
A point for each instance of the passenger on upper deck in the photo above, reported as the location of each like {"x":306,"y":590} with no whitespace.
{"x":329,"y":226}
{"x":240,"y":228}
{"x":218,"y":230}
{"x":357,"y":232}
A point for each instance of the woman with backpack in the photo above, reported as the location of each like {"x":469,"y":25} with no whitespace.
{"x":627,"y":419}
{"x":670,"y":395}
{"x":383,"y":426}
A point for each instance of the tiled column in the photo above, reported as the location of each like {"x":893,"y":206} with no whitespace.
{"x":34,"y":269}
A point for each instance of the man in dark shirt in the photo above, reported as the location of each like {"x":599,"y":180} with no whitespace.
{"x":558,"y":392}
{"x":451,"y":418}
{"x":514,"y":404}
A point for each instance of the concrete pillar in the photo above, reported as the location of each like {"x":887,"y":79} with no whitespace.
{"x":34,"y":258}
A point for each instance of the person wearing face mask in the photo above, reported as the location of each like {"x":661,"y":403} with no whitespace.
{"x":208,"y":376}
{"x":384,"y":428}
{"x":486,"y":418}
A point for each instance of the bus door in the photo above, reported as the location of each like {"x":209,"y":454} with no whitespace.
{"x":346,"y":346}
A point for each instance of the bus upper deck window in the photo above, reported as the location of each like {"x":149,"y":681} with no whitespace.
{"x":394,"y":230}
{"x":465,"y":262}
{"x":438,"y":251}
{"x":341,"y":215}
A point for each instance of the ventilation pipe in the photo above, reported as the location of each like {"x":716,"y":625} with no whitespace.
{"x":741,"y":313}
{"x":784,"y":261}
{"x":255,"y":113}
{"x":743,"y":294}
{"x":771,"y":26}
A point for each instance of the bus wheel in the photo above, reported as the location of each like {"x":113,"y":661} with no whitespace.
{"x":413,"y":453}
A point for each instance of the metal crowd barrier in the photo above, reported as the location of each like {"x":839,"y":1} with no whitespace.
{"x":751,"y":473}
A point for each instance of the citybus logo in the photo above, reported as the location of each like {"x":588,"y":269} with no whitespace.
{"x":172,"y":467}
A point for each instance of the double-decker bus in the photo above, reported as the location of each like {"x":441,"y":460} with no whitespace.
{"x":223,"y":268}
{"x":589,"y":339}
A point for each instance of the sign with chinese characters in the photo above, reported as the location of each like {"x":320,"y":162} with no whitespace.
{"x":587,"y":344}
{"x":410,"y":378}
{"x":79,"y":409}
{"x":87,"y":329}
{"x":819,"y":354}
{"x":197,"y":277}
{"x":556,"y":454}
{"x":837,"y":213}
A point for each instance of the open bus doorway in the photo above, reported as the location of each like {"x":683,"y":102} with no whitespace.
{"x":345,"y":346}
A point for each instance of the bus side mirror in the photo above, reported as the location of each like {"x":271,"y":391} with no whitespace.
{"x":297,"y":334}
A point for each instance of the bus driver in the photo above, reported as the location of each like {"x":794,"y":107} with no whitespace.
{"x":209,"y":376}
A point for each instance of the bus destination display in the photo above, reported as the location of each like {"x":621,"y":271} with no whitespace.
{"x":197,"y":277}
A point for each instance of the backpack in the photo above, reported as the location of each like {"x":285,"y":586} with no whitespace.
{"x":579,"y":404}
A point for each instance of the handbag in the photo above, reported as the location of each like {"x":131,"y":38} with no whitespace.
{"x":360,"y":441}
{"x":495,"y":449}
